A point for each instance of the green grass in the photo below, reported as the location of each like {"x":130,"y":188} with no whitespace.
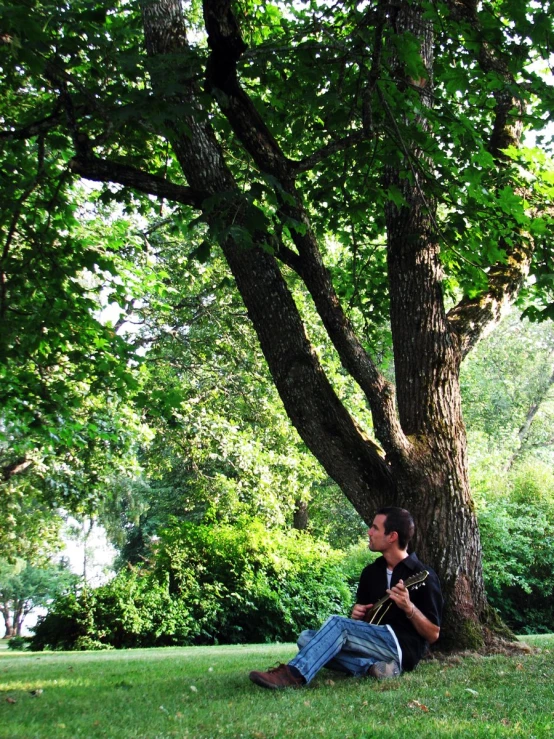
{"x":204,"y":692}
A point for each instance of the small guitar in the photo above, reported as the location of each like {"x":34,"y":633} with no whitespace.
{"x":377,"y":611}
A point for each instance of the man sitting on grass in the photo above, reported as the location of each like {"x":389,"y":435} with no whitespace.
{"x":401,"y":629}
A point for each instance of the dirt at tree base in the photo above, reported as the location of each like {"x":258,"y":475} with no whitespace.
{"x":493,"y":644}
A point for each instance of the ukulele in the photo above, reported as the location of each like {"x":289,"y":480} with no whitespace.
{"x":377,"y":612}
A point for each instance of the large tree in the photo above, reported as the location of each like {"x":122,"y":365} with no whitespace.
{"x":276,"y":131}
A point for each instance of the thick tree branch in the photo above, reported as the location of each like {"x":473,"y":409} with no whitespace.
{"x":227,"y":46}
{"x":472,"y":317}
{"x":36,"y":128}
{"x":508,"y":123}
{"x":379,"y":392}
{"x":92,"y":167}
{"x":15,"y":468}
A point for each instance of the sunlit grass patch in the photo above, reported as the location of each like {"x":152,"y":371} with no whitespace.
{"x":204,"y":692}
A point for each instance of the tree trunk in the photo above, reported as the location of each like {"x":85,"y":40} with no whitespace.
{"x":18,"y":619}
{"x":300,"y":517}
{"x":8,"y":622}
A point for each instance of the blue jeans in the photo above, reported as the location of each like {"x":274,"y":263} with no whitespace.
{"x":344,"y":644}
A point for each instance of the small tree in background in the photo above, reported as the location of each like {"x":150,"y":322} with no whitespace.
{"x":25,"y":587}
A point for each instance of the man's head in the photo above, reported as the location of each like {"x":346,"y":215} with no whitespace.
{"x":391,"y":526}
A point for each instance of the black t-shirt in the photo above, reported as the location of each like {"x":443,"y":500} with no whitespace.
{"x":427,"y":597}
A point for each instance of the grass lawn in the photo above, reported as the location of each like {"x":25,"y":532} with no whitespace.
{"x":204,"y":692}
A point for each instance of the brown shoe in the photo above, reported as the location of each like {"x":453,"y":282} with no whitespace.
{"x":277,"y":678}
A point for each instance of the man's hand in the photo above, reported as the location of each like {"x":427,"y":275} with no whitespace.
{"x":400,"y":595}
{"x":427,"y":629}
{"x":359,"y":611}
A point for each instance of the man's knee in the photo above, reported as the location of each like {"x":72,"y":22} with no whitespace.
{"x":335,"y":621}
{"x":305,"y":637}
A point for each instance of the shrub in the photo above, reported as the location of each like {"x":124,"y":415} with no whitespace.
{"x":67,"y":620}
{"x":18,"y":643}
{"x":133,"y":610}
{"x":206,"y":585}
{"x":247,"y":584}
{"x":518,"y":561}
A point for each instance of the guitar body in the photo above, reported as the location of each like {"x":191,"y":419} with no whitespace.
{"x":378,"y":611}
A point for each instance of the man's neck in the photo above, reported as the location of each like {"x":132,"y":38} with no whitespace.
{"x":394,"y":556}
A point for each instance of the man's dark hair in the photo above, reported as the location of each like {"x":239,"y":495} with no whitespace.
{"x":399,"y":520}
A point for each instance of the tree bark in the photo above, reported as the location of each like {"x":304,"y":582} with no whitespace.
{"x":432,"y":480}
{"x":18,"y":618}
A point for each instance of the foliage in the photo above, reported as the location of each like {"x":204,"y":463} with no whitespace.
{"x":222,"y":444}
{"x":118,"y":614}
{"x":67,"y":423}
{"x":273,"y":583}
{"x":355,"y":558}
{"x":333,"y":518}
{"x":506,"y":384}
{"x":18,"y":643}
{"x":205,"y":585}
{"x":60,"y":364}
{"x":204,"y":692}
{"x":52,"y":328}
{"x":517,"y":527}
{"x":77,"y":478}
{"x":29,"y":527}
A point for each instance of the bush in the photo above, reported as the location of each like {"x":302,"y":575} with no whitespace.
{"x":206,"y":585}
{"x":356,"y":557}
{"x":248,"y":584}
{"x":64,"y":623}
{"x":132,"y":610}
{"x":18,"y":643}
{"x":518,"y":560}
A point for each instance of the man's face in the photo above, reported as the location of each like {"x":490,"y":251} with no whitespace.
{"x":378,"y":540}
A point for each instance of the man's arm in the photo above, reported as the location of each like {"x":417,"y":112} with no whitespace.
{"x":424,"y":627}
